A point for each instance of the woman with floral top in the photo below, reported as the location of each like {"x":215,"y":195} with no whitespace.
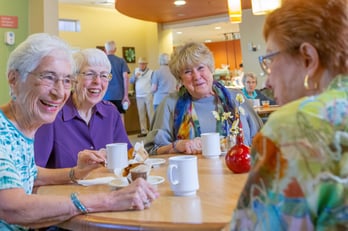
{"x":183,"y":116}
{"x":299,"y":178}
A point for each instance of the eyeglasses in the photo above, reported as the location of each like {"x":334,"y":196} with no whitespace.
{"x":91,"y":75}
{"x":266,"y":60}
{"x":50,"y":78}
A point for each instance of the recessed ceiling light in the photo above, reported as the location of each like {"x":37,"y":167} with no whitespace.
{"x":218,"y":28}
{"x":179,"y":32}
{"x":179,"y":2}
{"x":208,"y":41}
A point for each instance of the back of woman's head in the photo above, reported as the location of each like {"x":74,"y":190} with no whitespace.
{"x":91,"y":57}
{"x":28,"y":55}
{"x":164,"y":59}
{"x":188,"y":56}
{"x":322,"y":23}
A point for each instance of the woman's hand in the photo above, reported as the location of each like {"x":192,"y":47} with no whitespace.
{"x":137,"y":196}
{"x":89,"y":160}
{"x":190,"y":146}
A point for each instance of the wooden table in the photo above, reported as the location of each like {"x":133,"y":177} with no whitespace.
{"x":210,"y":209}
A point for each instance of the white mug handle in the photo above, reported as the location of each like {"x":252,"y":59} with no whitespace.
{"x":170,"y":174}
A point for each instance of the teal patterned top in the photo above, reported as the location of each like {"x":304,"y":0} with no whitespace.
{"x":299,"y":179}
{"x":17,"y":165}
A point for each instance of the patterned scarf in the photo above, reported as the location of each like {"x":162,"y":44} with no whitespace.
{"x":186,"y":124}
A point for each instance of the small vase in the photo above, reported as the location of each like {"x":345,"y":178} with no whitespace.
{"x":238,"y":157}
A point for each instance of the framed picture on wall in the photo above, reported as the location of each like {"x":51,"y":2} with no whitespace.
{"x":129,"y":54}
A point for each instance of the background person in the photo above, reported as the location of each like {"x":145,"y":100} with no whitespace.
{"x":184,"y":115}
{"x":250,"y":91}
{"x":85,"y":121}
{"x":142,"y":80}
{"x":40,"y":75}
{"x":117,"y":91}
{"x":299,"y":176}
{"x":163,"y":81}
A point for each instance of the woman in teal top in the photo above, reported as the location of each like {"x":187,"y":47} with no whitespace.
{"x":299,"y":178}
{"x":40,"y":74}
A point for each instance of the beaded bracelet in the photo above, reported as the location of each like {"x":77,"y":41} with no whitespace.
{"x":72,"y":175}
{"x":78,"y":203}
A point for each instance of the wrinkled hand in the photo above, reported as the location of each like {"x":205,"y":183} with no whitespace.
{"x":137,"y":196}
{"x":90,"y":159}
{"x":190,"y":146}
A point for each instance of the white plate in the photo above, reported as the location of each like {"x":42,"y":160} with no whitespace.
{"x":154,"y":161}
{"x":119,"y":182}
{"x":100,"y":180}
{"x":155,"y":179}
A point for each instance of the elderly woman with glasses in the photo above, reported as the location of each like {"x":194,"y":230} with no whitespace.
{"x":299,"y":178}
{"x":40,"y":75}
{"x":86,"y":122}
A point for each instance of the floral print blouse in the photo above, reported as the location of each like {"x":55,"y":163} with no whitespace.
{"x":299,"y":179}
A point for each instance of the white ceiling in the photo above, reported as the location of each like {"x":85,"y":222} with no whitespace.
{"x":193,"y":30}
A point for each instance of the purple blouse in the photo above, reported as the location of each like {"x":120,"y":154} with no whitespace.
{"x":57,"y":144}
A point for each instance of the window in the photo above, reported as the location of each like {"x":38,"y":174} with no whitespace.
{"x":69,"y":25}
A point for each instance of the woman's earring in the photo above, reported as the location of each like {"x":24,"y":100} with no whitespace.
{"x":12,"y":95}
{"x":306,"y":84}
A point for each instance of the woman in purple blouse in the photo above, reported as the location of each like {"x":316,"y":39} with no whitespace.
{"x":86,"y":122}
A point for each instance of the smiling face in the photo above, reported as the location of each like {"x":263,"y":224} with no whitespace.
{"x":287,"y":74}
{"x":250,"y":84}
{"x":198,"y":81}
{"x":91,"y":91}
{"x":37,"y":102}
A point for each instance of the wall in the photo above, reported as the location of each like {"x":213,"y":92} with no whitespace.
{"x":17,"y":8}
{"x":99,"y":25}
{"x":251,"y":32}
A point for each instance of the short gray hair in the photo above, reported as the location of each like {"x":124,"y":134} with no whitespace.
{"x":28,"y":55}
{"x":91,"y":57}
{"x":249,"y":74}
{"x":110,"y":46}
{"x":164,"y":59}
{"x":190,"y":55}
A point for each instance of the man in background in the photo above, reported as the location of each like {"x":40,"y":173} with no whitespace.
{"x":117,"y":92}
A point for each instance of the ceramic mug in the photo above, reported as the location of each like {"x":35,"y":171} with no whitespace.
{"x":211,"y":147}
{"x":183,"y":175}
{"x":117,"y":155}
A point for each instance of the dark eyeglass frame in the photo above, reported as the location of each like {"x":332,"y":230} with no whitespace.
{"x":89,"y":75}
{"x":266,"y":60}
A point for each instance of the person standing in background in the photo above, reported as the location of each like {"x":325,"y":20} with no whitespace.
{"x":142,"y":80}
{"x":163,"y":81}
{"x":117,"y":92}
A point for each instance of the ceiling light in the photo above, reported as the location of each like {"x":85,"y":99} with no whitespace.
{"x":179,"y":32}
{"x":235,"y":11}
{"x":179,"y":2}
{"x":217,"y":28}
{"x":264,"y":6}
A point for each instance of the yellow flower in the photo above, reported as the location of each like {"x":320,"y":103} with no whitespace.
{"x":240,"y":98}
{"x":216,"y":115}
{"x":226,"y":115}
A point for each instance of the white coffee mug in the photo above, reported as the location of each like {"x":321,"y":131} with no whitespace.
{"x":117,"y":155}
{"x":182,"y":175}
{"x":211,"y":147}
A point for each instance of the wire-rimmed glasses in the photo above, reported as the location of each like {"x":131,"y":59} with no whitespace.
{"x":91,"y":75}
{"x":266,"y":60}
{"x":50,"y":78}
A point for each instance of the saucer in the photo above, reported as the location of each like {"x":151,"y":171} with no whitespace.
{"x":121,"y":182}
{"x":100,"y":180}
{"x":155,"y":179}
{"x":154,"y":162}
